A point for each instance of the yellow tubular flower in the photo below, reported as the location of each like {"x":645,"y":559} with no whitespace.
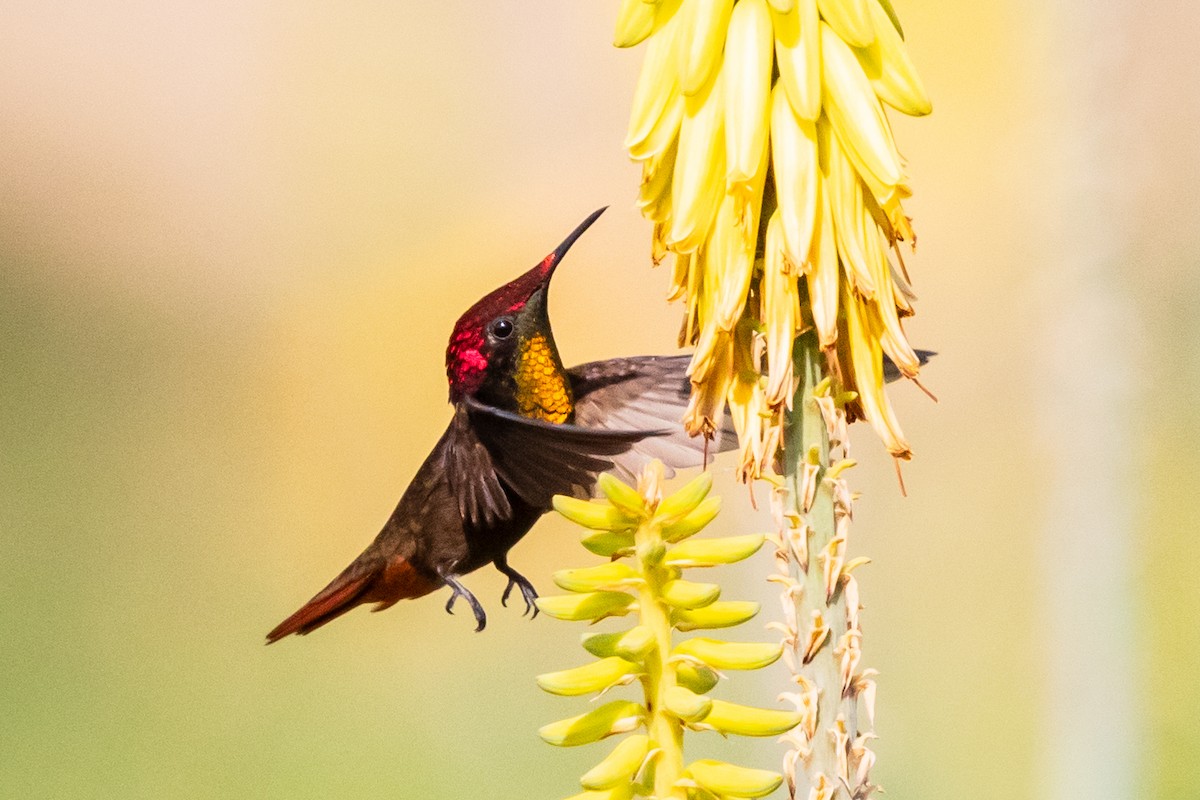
{"x":709,"y":123}
{"x":772,"y":177}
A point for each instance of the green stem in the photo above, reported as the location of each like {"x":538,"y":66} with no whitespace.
{"x":807,"y":433}
{"x":665,"y":731}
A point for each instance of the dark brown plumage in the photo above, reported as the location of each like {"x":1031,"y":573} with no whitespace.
{"x":524,"y":429}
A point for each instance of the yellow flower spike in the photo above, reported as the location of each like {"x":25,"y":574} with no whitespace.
{"x":850,"y":19}
{"x":712,"y":552}
{"x":856,"y":116}
{"x":687,"y":705}
{"x":699,"y":182}
{"x":721,"y":614}
{"x":599,"y":516}
{"x":694,"y":522}
{"x":657,"y":84}
{"x":781,"y":304}
{"x":621,"y":494}
{"x":845,"y":206}
{"x":701,"y":39}
{"x":797,"y":178}
{"x":822,"y":279}
{"x":745,"y":402}
{"x":679,"y":281}
{"x":890,"y":70}
{"x":866,"y":359}
{"x":635,"y":21}
{"x":619,"y":716}
{"x":689,"y":595}
{"x":748,"y":721}
{"x":594,"y":677}
{"x":798,"y":57}
{"x":590,"y":606}
{"x":699,"y":678}
{"x":608,"y":543}
{"x":729,"y":780}
{"x":654,"y":193}
{"x":662,"y":138}
{"x":684,"y":500}
{"x":731,"y":256}
{"x":613,"y":575}
{"x":619,"y":766}
{"x":730,"y":655}
{"x":675,"y":680}
{"x":748,"y":59}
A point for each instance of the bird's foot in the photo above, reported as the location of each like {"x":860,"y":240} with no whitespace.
{"x":462,"y":591}
{"x":528,"y":593}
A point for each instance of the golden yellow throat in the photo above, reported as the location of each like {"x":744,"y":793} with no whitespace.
{"x":542,"y":388}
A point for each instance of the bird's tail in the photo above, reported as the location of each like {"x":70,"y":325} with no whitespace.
{"x":341,"y":595}
{"x":384,"y":582}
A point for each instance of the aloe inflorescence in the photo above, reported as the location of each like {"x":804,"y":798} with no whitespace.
{"x":647,"y":538}
{"x":773,"y":180}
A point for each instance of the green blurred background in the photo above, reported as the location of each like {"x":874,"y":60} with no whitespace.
{"x":234,"y":238}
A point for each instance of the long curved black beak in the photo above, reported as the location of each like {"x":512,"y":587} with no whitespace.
{"x":554,"y":258}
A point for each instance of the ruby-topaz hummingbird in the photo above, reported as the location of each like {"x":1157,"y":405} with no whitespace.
{"x":524,"y":429}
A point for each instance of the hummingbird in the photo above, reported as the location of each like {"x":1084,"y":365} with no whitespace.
{"x":524,"y":428}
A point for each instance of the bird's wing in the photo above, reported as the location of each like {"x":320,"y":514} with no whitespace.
{"x":539,"y":459}
{"x":471,"y":473}
{"x":644,"y":392}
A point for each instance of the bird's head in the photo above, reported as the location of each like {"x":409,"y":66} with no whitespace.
{"x":491,"y":334}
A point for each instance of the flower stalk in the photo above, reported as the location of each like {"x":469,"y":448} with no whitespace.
{"x":648,"y":539}
{"x":771,"y":176}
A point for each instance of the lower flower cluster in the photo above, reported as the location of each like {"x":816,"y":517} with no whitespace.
{"x":647,"y":538}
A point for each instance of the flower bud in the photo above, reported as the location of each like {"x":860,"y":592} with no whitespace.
{"x":613,"y":575}
{"x":608,"y":543}
{"x":730,"y":655}
{"x":711,"y":552}
{"x":687,"y":705}
{"x":721,"y":614}
{"x":749,"y":721}
{"x":733,"y":781}
{"x":619,"y":766}
{"x":685,"y":499}
{"x":622,"y":495}
{"x":619,"y":716}
{"x":593,"y":605}
{"x":594,"y":677}
{"x":596,"y":515}
{"x":694,"y":522}
{"x":689,"y":595}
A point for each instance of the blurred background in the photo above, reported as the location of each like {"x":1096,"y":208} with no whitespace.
{"x":234,"y":238}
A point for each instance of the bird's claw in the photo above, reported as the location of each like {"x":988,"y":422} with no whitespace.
{"x":528,"y":593}
{"x":462,"y":591}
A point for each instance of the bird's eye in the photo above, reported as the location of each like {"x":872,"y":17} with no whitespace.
{"x":502,"y":328}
